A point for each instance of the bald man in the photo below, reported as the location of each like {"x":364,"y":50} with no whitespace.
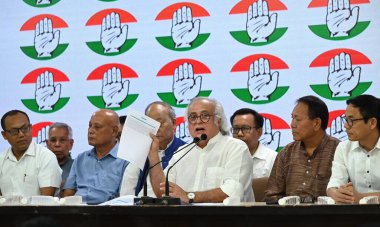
{"x":96,"y":174}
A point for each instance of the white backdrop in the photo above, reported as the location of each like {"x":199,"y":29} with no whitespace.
{"x":141,"y":44}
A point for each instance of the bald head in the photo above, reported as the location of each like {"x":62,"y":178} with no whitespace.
{"x":103,"y":128}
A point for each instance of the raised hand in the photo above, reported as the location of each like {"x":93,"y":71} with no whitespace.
{"x":342,"y":79}
{"x":45,"y":41}
{"x":43,"y":2}
{"x":340,"y":18}
{"x":261,"y":83}
{"x":43,"y":136}
{"x":337,"y":129}
{"x":113,"y":36}
{"x":114,"y":90}
{"x":184,"y":29}
{"x":182,"y":132}
{"x":46,"y":94}
{"x":268,"y":138}
{"x":259,"y":25}
{"x":185,"y":86}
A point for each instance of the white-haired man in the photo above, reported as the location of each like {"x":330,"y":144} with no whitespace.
{"x":217,"y":168}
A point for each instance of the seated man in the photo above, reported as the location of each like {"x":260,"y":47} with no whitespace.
{"x":217,"y":168}
{"x":355,"y":172}
{"x":168,"y":142}
{"x":60,"y":142}
{"x":303,"y":167}
{"x":27,"y":168}
{"x":247,"y":125}
{"x":96,"y":174}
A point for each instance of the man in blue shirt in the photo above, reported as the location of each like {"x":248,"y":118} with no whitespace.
{"x":96,"y":174}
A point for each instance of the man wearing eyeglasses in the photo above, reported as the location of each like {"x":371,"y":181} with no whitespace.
{"x":355,"y":170}
{"x":60,"y":142}
{"x":26,"y":168}
{"x":303,"y":167}
{"x":247,"y":125}
{"x":217,"y":168}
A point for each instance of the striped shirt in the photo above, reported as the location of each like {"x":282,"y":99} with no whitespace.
{"x":296,"y":173}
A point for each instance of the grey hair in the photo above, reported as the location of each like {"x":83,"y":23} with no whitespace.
{"x":62,"y":125}
{"x":219,"y":113}
{"x":169,"y":107}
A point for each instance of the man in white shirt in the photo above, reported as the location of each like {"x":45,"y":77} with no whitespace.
{"x":355,"y":169}
{"x":26,"y":168}
{"x":217,"y":168}
{"x":247,"y":125}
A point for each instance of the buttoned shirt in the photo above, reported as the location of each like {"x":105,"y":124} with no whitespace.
{"x":263,"y":160}
{"x":296,"y":173}
{"x":96,"y":180}
{"x":223,"y":163}
{"x":66,"y":167}
{"x":37,"y":168}
{"x":353,"y":163}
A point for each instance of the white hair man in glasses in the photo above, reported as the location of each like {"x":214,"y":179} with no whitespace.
{"x":26,"y":168}
{"x":355,"y":169}
{"x":217,"y":168}
{"x":247,"y":125}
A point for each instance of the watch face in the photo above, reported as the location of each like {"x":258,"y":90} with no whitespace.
{"x":191,"y":195}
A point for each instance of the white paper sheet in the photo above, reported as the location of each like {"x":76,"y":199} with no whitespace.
{"x":135,"y":140}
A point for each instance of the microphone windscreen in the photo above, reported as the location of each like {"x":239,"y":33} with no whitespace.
{"x":203,"y":137}
{"x":196,"y":140}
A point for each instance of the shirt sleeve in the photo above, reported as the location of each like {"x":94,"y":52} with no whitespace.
{"x":339,"y":173}
{"x":276,"y":182}
{"x":237,"y":180}
{"x":49,"y":174}
{"x":130,"y":179}
{"x":71,"y":182}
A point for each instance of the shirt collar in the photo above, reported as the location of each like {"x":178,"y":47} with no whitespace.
{"x":356,"y":146}
{"x":113,"y":151}
{"x":167,"y":146}
{"x":31,"y":151}
{"x":214,"y":140}
{"x":260,"y":153}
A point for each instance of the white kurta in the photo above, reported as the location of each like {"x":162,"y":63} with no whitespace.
{"x":224,"y":163}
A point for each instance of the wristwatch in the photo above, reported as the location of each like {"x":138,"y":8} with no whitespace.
{"x":191,"y":196}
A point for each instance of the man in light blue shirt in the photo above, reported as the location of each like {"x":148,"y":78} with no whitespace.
{"x":96,"y":174}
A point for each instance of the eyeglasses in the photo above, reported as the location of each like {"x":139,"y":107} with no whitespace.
{"x":204,"y":117}
{"x":244,"y":129}
{"x":350,"y":121}
{"x":16,"y":131}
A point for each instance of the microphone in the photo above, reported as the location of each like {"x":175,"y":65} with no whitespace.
{"x":167,"y":200}
{"x":145,"y":199}
{"x":195,"y":140}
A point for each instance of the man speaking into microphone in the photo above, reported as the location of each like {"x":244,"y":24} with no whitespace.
{"x":218,"y":167}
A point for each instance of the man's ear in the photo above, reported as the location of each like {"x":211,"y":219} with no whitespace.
{"x":317,"y":123}
{"x":3,"y":134}
{"x":260,"y":131}
{"x":373,"y":122}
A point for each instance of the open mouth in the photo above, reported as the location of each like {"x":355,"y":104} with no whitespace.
{"x":199,"y":129}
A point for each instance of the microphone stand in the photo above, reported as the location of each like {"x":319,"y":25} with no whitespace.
{"x":147,"y":200}
{"x":168,"y":200}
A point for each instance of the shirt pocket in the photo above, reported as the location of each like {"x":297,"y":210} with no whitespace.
{"x":214,"y":177}
{"x":31,"y":182}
